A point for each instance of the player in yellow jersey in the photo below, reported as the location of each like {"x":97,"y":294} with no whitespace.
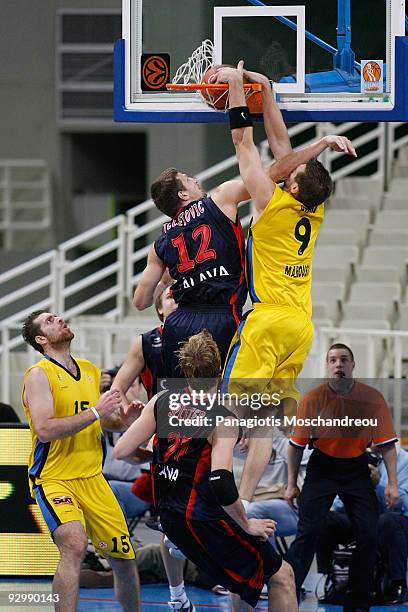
{"x":65,"y":411}
{"x":274,"y":339}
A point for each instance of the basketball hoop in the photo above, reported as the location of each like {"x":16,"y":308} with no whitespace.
{"x":192,"y":76}
{"x":216,"y":95}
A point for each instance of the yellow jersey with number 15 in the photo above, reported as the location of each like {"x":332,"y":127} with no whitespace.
{"x":77,"y":456}
{"x":279,"y":252}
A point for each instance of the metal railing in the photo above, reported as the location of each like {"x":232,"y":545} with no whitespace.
{"x":94,"y":341}
{"x":106,"y":342}
{"x":25,"y":198}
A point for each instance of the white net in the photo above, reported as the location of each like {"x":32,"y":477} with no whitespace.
{"x":194,"y":69}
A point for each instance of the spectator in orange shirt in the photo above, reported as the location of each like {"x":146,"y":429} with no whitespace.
{"x":339,"y":419}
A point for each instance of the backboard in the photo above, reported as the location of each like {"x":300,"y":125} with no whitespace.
{"x":330,"y":60}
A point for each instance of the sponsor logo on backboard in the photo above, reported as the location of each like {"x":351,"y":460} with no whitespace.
{"x":155,"y":71}
{"x":372,"y":73}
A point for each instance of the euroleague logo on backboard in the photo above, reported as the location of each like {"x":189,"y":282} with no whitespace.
{"x":372,"y":76}
{"x":155,"y":71}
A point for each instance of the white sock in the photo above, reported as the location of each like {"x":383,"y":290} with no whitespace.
{"x":245,"y":503}
{"x":178,"y":593}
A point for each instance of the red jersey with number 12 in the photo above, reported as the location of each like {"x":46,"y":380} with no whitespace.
{"x":205,"y":253}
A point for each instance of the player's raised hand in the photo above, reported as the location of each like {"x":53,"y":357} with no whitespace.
{"x":225,"y":74}
{"x":132,"y":412}
{"x":255,"y":77}
{"x":109,"y":402}
{"x":262,"y":528}
{"x":341,"y":144}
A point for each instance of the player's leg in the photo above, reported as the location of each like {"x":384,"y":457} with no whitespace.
{"x":249,"y":368}
{"x":107,"y":528}
{"x":258,"y":456}
{"x":126,"y":579}
{"x":285,"y":352}
{"x":72,"y":544}
{"x":282,"y":591}
{"x":65,"y":520}
{"x":175,"y":575}
{"x":238,"y":605}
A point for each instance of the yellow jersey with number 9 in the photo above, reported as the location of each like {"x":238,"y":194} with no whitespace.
{"x":79,"y":455}
{"x":279,"y":252}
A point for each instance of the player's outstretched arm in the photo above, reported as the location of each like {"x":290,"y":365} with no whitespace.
{"x":151,"y":276}
{"x":140,"y":431}
{"x":131,"y":367}
{"x":258,"y":184}
{"x":40,"y":402}
{"x":223,"y":485}
{"x":282,"y":169}
{"x":275,"y":128}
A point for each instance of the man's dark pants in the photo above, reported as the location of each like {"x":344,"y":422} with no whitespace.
{"x":392,"y":542}
{"x":327,"y":477}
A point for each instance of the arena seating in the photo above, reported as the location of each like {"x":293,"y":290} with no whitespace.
{"x":360,"y":261}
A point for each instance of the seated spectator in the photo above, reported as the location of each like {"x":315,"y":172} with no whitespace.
{"x":121,"y":477}
{"x":8,"y":414}
{"x":392,"y":531}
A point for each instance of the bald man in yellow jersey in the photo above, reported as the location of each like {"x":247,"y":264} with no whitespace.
{"x":274,"y":339}
{"x":65,"y":410}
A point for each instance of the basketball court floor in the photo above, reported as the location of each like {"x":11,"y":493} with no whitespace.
{"x":154,"y":599}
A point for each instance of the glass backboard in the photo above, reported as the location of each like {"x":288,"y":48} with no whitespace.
{"x":330,"y":60}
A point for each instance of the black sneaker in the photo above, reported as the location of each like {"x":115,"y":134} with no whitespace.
{"x":95,"y":563}
{"x":396,"y":594}
{"x":154,"y":523}
{"x":177,"y":605}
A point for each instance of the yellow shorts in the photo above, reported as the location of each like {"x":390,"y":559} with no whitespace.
{"x":92,"y":502}
{"x":269,"y":347}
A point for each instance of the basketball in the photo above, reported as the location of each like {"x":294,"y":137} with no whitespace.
{"x":218,"y":98}
{"x":372,"y":72}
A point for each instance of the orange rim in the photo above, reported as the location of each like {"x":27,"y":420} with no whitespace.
{"x":219,"y":86}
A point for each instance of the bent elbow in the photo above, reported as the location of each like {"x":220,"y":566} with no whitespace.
{"x":118,"y":453}
{"x":139,"y":302}
{"x":43,"y":436}
{"x":141,"y":298}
